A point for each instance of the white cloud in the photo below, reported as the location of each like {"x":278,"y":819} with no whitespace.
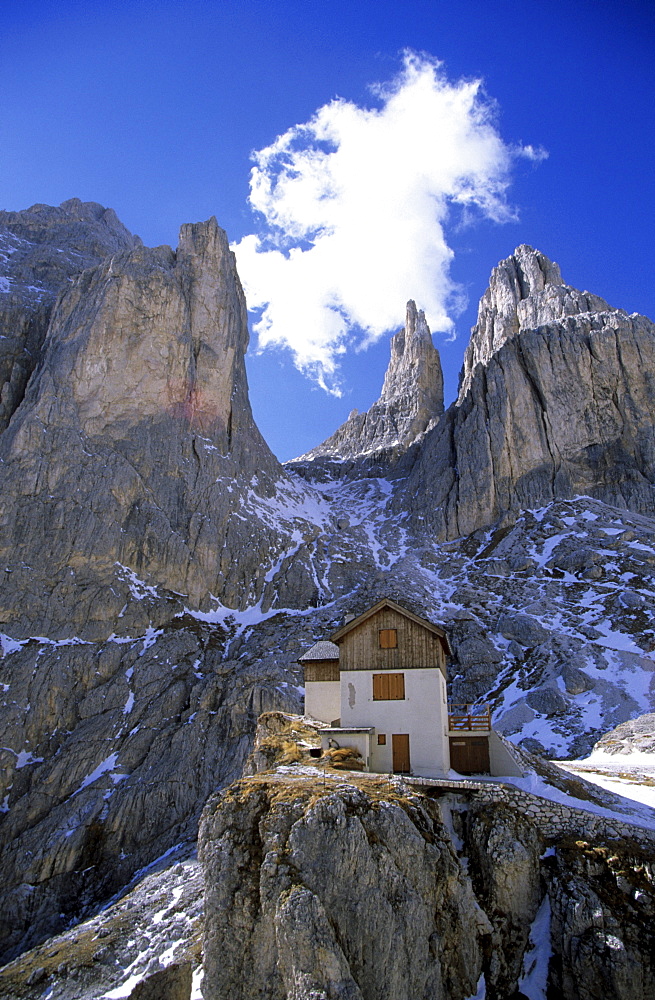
{"x":354,"y":205}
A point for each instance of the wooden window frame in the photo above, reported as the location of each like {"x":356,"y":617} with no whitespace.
{"x":388,"y":687}
{"x":382,"y":739}
{"x":388,"y":638}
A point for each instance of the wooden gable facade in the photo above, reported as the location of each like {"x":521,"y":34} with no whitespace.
{"x":389,"y":637}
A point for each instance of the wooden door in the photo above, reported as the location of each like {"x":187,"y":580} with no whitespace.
{"x":400,"y":752}
{"x":469,"y":754}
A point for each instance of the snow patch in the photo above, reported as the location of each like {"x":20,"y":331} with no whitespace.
{"x":534,"y":980}
{"x":196,"y":984}
{"x":108,"y":764}
{"x":159,"y":916}
{"x":481,"y":990}
{"x":25,"y":757}
{"x":125,"y":989}
{"x":138,"y":588}
{"x":150,"y":638}
{"x":9,"y":645}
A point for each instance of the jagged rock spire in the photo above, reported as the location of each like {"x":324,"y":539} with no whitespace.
{"x":411,"y":398}
{"x":525,"y":291}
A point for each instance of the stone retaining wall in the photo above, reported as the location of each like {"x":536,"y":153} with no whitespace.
{"x":555,"y":820}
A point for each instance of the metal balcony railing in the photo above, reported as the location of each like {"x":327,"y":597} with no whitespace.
{"x":473,"y":718}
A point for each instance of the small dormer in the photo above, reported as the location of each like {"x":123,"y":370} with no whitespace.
{"x":322,"y":688}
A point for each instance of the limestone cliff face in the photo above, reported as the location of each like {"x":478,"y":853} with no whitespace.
{"x":336,"y":893}
{"x":411,"y":399}
{"x":41,"y":250}
{"x":525,"y":291}
{"x":135,"y":445}
{"x":554,"y":409}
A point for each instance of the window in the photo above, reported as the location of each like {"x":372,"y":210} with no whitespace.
{"x":388,"y":638}
{"x":388,"y":687}
{"x":382,"y":739}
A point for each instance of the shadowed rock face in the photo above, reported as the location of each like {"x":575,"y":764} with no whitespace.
{"x":411,"y":399}
{"x":42,"y":249}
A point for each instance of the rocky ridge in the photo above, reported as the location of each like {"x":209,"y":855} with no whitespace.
{"x":525,"y":292}
{"x":634,"y":736}
{"x":410,"y":401}
{"x":559,"y":409}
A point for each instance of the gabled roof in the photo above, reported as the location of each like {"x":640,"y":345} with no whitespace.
{"x":322,"y":650}
{"x":386,"y":602}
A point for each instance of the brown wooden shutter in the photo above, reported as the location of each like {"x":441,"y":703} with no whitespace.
{"x":396,"y":687}
{"x":380,"y":687}
{"x":388,"y":687}
{"x":388,"y":638}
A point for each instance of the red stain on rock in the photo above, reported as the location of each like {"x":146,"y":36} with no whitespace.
{"x":190,"y":402}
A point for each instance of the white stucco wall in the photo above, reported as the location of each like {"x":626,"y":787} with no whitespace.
{"x":422,"y":714}
{"x":323,"y":700}
{"x":501,"y":761}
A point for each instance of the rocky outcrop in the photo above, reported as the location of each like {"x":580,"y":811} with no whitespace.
{"x":411,"y":399}
{"x":525,"y":291}
{"x":346,"y":892}
{"x":634,"y":736}
{"x":42,"y":249}
{"x":559,"y":408}
{"x":362,"y":888}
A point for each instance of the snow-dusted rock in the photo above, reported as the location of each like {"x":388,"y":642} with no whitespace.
{"x":411,"y":400}
{"x":634,"y":736}
{"x":525,"y":291}
{"x":523,"y":629}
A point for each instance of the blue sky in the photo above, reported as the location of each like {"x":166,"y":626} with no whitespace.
{"x":155,"y":109}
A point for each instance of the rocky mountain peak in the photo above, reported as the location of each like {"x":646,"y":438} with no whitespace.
{"x":43,"y":249}
{"x":411,"y":399}
{"x":414,"y":369}
{"x":525,"y":291}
